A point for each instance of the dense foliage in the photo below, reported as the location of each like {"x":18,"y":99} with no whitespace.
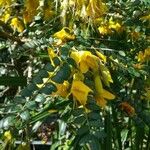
{"x":75,"y":73}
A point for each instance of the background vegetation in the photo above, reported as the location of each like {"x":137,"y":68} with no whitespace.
{"x":75,"y":74}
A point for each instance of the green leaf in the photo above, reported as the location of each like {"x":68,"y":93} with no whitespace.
{"x":25,"y":115}
{"x":72,"y":62}
{"x":32,"y":87}
{"x":40,"y":98}
{"x":31,"y":105}
{"x":56,"y":61}
{"x":83,"y":130}
{"x":26,"y":93}
{"x":48,"y":89}
{"x":100,"y":135}
{"x":79,"y":120}
{"x":43,"y":73}
{"x":96,"y":123}
{"x":93,"y":116}
{"x":49,"y":67}
{"x":13,"y":81}
{"x":38,"y":80}
{"x":93,"y":107}
{"x":62,"y":74}
{"x":78,"y":111}
{"x":19,"y":100}
{"x":122,"y":53}
{"x":85,"y":139}
{"x":36,"y":126}
{"x":65,"y":51}
{"x":133,"y":72}
{"x":8,"y":122}
{"x":62,"y":127}
{"x":1,"y":123}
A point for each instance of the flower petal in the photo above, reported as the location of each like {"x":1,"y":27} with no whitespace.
{"x":80,"y":91}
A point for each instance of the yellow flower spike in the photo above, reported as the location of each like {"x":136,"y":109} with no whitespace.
{"x":17,"y":24}
{"x":80,"y":91}
{"x":106,"y":94}
{"x":101,"y":56}
{"x":106,"y":76}
{"x":64,"y":35}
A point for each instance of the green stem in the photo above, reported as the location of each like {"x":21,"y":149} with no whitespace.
{"x":108,"y":130}
{"x":148,"y":141}
{"x":117,"y":129}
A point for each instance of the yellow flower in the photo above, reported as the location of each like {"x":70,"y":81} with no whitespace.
{"x":48,"y":14}
{"x":5,"y":2}
{"x":105,"y":75}
{"x":138,"y":66}
{"x":107,"y":27}
{"x":47,"y":10}
{"x":147,"y":93}
{"x":102,"y":98}
{"x":80,"y":91}
{"x":101,"y":95}
{"x":96,"y":9}
{"x":145,"y":17}
{"x":27,"y":17}
{"x":7,"y":135}
{"x":101,"y":56}
{"x":17,"y":24}
{"x":144,"y":56}
{"x":30,"y":10}
{"x":147,"y":53}
{"x":106,"y":94}
{"x":5,"y":17}
{"x":64,"y":35}
{"x":78,"y":76}
{"x":135,"y":35}
{"x":62,"y":89}
{"x":114,"y":25}
{"x":103,"y":30}
{"x":51,"y":54}
{"x":140,"y":57}
{"x":85,"y":60}
{"x":101,"y":101}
